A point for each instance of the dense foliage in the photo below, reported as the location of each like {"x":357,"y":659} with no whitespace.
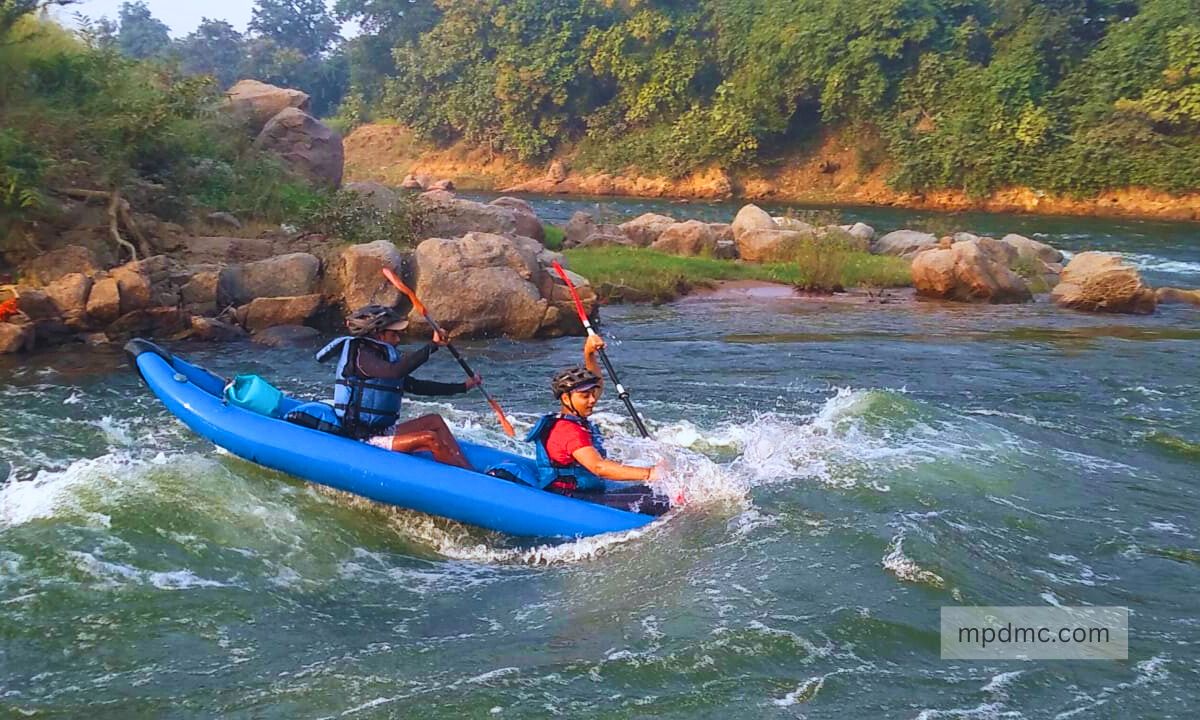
{"x":1066,"y":95}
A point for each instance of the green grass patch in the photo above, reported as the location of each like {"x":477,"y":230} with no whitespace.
{"x":630,"y":274}
{"x":554,"y":236}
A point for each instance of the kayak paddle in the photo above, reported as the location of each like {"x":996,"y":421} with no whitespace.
{"x":420,"y":307}
{"x":587,"y":325}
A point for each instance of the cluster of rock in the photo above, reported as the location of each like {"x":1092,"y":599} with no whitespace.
{"x":479,"y":272}
{"x":710,"y":184}
{"x":279,"y":120}
{"x":422,"y":181}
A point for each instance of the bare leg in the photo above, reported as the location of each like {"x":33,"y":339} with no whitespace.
{"x":430,"y":432}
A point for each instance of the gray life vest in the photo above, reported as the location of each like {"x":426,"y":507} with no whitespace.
{"x":363,"y":404}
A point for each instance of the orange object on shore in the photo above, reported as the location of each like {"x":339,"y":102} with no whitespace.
{"x":8,"y":308}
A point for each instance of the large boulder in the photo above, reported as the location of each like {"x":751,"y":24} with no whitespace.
{"x":282,"y":276}
{"x":765,"y":245}
{"x":968,"y":271}
{"x":483,"y":285}
{"x":306,"y":146}
{"x":451,"y":217}
{"x":213,"y":330}
{"x":262,"y":313}
{"x":134,"y":287}
{"x":35,"y":304}
{"x":645,"y":229}
{"x":199,"y":293}
{"x":687,"y":238}
{"x":255,"y":103}
{"x":16,"y":337}
{"x":790,"y":223}
{"x":752,"y":218}
{"x":1029,"y":249}
{"x":582,"y":230}
{"x":104,"y":301}
{"x":1103,"y":282}
{"x":528,"y":223}
{"x":904,"y":243}
{"x":377,"y":195}
{"x":358,"y":278}
{"x":148,"y":322}
{"x":50,"y":266}
{"x":861,"y":231}
{"x":69,"y":294}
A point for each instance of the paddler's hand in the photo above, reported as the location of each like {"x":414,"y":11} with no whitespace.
{"x":593,"y":345}
{"x":657,"y":472}
{"x":474,"y":381}
{"x":440,"y":338}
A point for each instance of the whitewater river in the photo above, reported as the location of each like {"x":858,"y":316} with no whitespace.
{"x":852,"y":469}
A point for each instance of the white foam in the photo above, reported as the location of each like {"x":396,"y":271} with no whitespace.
{"x":1159,"y":264}
{"x":905,"y":568}
{"x":53,"y":492}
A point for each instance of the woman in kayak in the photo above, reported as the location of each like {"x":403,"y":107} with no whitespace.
{"x":570,"y":450}
{"x":371,"y":379}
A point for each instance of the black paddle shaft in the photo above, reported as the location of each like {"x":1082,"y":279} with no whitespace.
{"x":623,"y":394}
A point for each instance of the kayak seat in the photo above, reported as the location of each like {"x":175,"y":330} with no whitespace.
{"x":316,"y":416}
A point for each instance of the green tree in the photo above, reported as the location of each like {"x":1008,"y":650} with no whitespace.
{"x":214,"y":48}
{"x":141,"y":35}
{"x":305,"y":26}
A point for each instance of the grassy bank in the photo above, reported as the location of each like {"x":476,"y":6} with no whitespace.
{"x":631,"y":275}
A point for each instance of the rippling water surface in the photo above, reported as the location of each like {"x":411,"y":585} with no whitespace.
{"x":853,"y":468}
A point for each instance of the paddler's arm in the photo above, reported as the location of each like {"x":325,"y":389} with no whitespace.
{"x":591,"y":349}
{"x":417,"y":386}
{"x":372,"y":364}
{"x":588,"y":457}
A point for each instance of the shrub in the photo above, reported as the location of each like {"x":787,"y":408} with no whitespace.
{"x":554,"y":236}
{"x":354,"y":218}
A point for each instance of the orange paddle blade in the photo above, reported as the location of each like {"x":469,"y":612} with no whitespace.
{"x":408,"y":292}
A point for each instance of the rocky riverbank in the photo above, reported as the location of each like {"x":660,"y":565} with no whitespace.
{"x":826,"y":175}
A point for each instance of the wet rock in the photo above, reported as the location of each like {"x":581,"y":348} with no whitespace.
{"x":287,"y":336}
{"x":305,"y":145}
{"x":51,"y":331}
{"x":262,"y":313}
{"x":968,"y":271}
{"x":149,"y":322}
{"x":687,"y":238}
{"x":1103,"y":282}
{"x":904,"y":243}
{"x":255,"y":103}
{"x":16,"y":337}
{"x":48,"y":267}
{"x":1166,"y":295}
{"x":645,"y":229}
{"x":213,"y":330}
{"x":358,"y":278}
{"x":283,"y":276}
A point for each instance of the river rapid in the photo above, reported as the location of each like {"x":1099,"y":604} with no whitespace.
{"x":851,"y":468}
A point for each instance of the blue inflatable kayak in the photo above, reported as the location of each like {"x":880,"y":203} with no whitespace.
{"x":195,"y":396}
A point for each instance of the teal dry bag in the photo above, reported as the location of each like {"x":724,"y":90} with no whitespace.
{"x":250,"y":392}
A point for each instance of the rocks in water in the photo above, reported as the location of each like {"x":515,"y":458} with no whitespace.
{"x":484,"y":285}
{"x":583,"y":231}
{"x":69,"y":294}
{"x":149,"y":322}
{"x":214,"y":330}
{"x":528,"y":223}
{"x":1167,"y":295}
{"x":1032,"y":249}
{"x":255,"y":103}
{"x":224,"y":219}
{"x":904,"y":243}
{"x":687,"y":238}
{"x":35,"y":304}
{"x":199,"y":293}
{"x":450,"y":217}
{"x":305,"y":145}
{"x":764,"y":245}
{"x":445,"y":185}
{"x":16,"y":336}
{"x":104,"y":301}
{"x":750,"y":218}
{"x":281,"y":276}
{"x":262,"y":313}
{"x":645,"y":229}
{"x":410,"y":182}
{"x":1103,"y":282}
{"x":358,"y":278}
{"x":788,"y":223}
{"x":50,"y":266}
{"x":861,"y":231}
{"x":287,"y":336}
{"x":968,"y":271}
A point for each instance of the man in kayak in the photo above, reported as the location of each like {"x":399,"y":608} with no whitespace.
{"x":570,"y":451}
{"x":372,"y":377}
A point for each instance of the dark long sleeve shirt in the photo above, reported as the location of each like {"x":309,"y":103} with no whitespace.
{"x":371,"y":363}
